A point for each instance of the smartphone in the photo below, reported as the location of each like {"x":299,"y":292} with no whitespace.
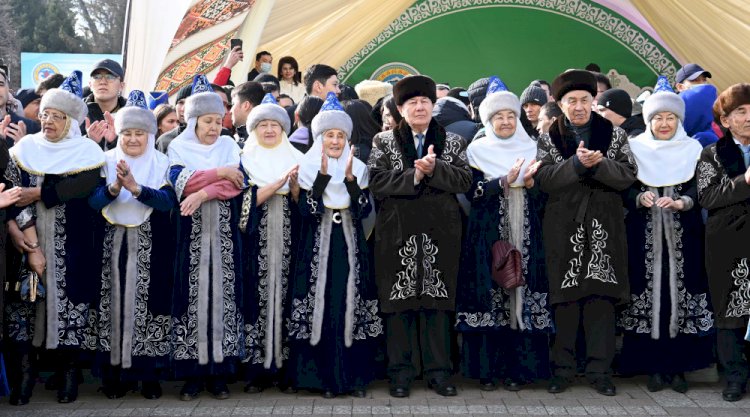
{"x":233,"y":43}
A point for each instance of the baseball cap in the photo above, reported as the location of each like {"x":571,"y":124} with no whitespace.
{"x":690,"y":72}
{"x":111,"y":66}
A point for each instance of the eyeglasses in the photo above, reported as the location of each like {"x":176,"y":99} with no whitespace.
{"x":52,"y":116}
{"x":105,"y":76}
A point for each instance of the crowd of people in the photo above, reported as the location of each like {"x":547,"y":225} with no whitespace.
{"x":295,"y":232}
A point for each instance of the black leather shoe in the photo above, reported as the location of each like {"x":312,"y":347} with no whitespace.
{"x":190,"y":390}
{"x":605,"y":386}
{"x":251,"y":388}
{"x":442,"y":387}
{"x":679,"y":384}
{"x":557,"y":385}
{"x":359,"y":393}
{"x":655,"y":383}
{"x":68,"y":392}
{"x":328,"y":395}
{"x":512,"y":385}
{"x":21,"y":394}
{"x":219,"y":389}
{"x":487,"y":385}
{"x":399,"y":391}
{"x":151,"y":390}
{"x":733,"y":392}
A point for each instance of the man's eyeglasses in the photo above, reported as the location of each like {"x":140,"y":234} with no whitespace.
{"x":50,"y":116}
{"x":105,"y":76}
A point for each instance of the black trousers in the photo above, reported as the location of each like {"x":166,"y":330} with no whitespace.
{"x":415,"y":335}
{"x":731,"y":349}
{"x":598,"y":317}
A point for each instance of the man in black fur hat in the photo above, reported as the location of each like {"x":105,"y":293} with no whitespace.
{"x":586,"y":163}
{"x":416,"y":170}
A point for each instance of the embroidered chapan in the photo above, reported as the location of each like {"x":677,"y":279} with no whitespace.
{"x":583,"y":218}
{"x":418,"y":228}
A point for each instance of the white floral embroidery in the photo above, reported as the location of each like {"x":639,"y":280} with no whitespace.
{"x":406,"y":280}
{"x":706,"y":174}
{"x":181,"y":182}
{"x":739,"y":299}
{"x":600,"y":264}
{"x":432,"y":285}
{"x":578,"y":240}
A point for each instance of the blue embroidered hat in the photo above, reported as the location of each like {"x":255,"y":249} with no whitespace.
{"x":135,"y":115}
{"x":203,"y":100}
{"x":662,"y":84}
{"x":495,"y":85}
{"x":498,"y":98}
{"x":331,"y":116}
{"x":269,"y":99}
{"x":201,"y":85}
{"x":663,"y":99}
{"x":68,"y":98}
{"x":268,"y":109}
{"x":156,"y":98}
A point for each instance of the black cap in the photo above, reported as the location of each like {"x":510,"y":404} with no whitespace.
{"x":690,"y":72}
{"x":616,"y":100}
{"x":26,"y":96}
{"x":111,"y":66}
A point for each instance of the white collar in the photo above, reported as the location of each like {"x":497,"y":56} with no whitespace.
{"x":187,"y":151}
{"x":494,"y":157}
{"x":266,"y":165}
{"x":69,"y":155}
{"x":663,"y":163}
{"x":335,"y":195}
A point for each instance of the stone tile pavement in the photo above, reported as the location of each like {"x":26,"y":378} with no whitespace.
{"x":703,"y":399}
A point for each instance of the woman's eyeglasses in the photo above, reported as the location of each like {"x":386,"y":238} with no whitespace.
{"x":50,"y":116}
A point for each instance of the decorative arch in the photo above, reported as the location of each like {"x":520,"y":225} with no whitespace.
{"x":604,"y":35}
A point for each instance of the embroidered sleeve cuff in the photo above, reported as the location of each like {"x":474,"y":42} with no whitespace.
{"x":687,"y":202}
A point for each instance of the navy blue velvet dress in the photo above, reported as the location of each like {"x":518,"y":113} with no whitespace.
{"x":494,"y":345}
{"x":342,"y":356}
{"x":662,"y":336}
{"x":138,"y":314}
{"x":207,"y":324}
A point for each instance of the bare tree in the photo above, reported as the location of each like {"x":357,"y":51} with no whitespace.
{"x":102,"y":22}
{"x":10,"y":51}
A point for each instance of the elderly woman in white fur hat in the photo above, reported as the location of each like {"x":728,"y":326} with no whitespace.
{"x":669,"y":325}
{"x":57,"y":169}
{"x":505,"y":330}
{"x":138,"y":253}
{"x":204,"y":171}
{"x":335,"y":327}
{"x":268,"y":223}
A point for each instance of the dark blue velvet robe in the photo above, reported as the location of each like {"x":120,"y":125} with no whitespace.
{"x":78,"y":277}
{"x":330,"y":365}
{"x":491,"y":348}
{"x":692,"y":346}
{"x":257,"y":300}
{"x":186,"y":337}
{"x":150,"y":297}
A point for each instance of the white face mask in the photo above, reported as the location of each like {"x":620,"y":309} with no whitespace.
{"x":265,"y":67}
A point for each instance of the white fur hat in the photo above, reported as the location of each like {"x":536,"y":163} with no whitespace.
{"x":204,"y":103}
{"x":268,"y":109}
{"x":663,"y":99}
{"x":332,"y":116}
{"x":373,"y":90}
{"x":495,"y":102}
{"x":68,"y":98}
{"x":135,"y":115}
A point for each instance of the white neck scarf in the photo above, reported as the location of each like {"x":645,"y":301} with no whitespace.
{"x":335,"y":195}
{"x":665,"y":162}
{"x":266,"y":165}
{"x":72,"y":154}
{"x":149,"y":170}
{"x":495,"y":156}
{"x":186,"y":150}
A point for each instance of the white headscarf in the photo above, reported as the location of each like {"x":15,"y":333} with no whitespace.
{"x":186,"y":150}
{"x":149,"y":170}
{"x":266,"y":165}
{"x":335,"y":195}
{"x":665,"y":162}
{"x":495,"y":156}
{"x":72,"y":154}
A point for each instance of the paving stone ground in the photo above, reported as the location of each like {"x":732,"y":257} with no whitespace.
{"x":703,"y":399}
